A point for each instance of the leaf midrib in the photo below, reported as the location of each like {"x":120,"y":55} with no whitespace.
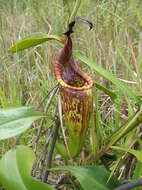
{"x":23,"y":118}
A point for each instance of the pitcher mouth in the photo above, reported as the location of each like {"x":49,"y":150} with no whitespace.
{"x":78,"y":80}
{"x":68,"y":73}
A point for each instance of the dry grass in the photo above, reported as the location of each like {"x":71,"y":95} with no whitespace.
{"x":26,"y":77}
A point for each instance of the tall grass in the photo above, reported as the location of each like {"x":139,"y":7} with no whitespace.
{"x":114,"y":44}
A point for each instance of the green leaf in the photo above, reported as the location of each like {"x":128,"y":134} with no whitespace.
{"x":14,"y":121}
{"x":75,"y":10}
{"x":33,"y":40}
{"x":138,"y":170}
{"x":15,"y":169}
{"x":138,"y":13}
{"x":92,"y":177}
{"x":132,"y":72}
{"x":106,"y":90}
{"x":136,"y":153}
{"x":108,"y":76}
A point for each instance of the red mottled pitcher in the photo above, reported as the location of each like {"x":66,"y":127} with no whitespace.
{"x":76,"y":92}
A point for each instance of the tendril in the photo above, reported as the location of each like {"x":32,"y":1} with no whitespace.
{"x":69,"y":31}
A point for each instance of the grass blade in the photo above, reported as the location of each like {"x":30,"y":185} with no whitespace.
{"x":136,"y":153}
{"x":108,"y":76}
{"x":105,"y":90}
{"x":137,"y":12}
{"x":74,"y":12}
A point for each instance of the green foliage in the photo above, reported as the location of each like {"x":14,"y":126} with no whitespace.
{"x":108,"y":76}
{"x":14,"y":121}
{"x":106,"y":90}
{"x":33,"y":40}
{"x":75,"y":10}
{"x":15,"y":169}
{"x":136,"y":153}
{"x":137,"y":12}
{"x":91,"y":177}
{"x":138,"y":170}
{"x":16,"y":164}
{"x":29,"y":74}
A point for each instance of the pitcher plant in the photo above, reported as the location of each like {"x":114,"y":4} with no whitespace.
{"x":76,"y":93}
{"x":75,"y":87}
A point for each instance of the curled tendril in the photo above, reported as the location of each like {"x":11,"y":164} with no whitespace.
{"x":69,"y":31}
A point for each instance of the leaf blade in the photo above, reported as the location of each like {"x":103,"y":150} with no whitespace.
{"x":34,"y":41}
{"x":92,"y":177}
{"x":106,"y":90}
{"x":14,"y":121}
{"x":12,"y":173}
{"x":136,"y":153}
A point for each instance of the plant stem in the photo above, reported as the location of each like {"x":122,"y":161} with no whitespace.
{"x":44,"y":154}
{"x":131,"y":124}
{"x":130,"y":185}
{"x":53,"y":89}
{"x":48,"y":164}
{"x":42,"y":158}
{"x":18,"y":139}
{"x":52,"y":92}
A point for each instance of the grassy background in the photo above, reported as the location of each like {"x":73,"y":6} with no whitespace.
{"x":115,"y":43}
{"x":26,"y":77}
